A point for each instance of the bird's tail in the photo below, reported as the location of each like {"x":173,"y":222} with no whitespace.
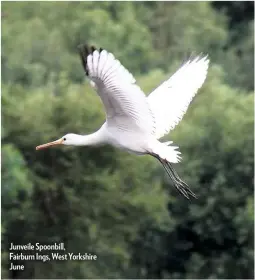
{"x":167,"y":154}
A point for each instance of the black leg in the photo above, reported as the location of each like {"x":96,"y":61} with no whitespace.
{"x":184,"y":185}
{"x":181,"y":186}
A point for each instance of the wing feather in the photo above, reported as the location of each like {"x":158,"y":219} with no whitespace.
{"x":102,"y":61}
{"x":171,"y":99}
{"x":125,"y":103}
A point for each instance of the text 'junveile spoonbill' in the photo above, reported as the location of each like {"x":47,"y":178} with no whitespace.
{"x":135,"y":122}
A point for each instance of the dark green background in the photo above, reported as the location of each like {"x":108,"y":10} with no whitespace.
{"x":107,"y":202}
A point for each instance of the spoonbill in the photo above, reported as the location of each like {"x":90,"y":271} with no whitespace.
{"x":134,"y":122}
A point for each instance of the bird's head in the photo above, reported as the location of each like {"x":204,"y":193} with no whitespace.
{"x":68,"y":139}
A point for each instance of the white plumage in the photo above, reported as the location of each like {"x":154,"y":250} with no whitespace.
{"x":135,"y":122}
{"x":169,"y":102}
{"x":127,"y":108}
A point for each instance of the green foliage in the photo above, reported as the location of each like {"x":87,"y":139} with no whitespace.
{"x":206,"y":236}
{"x":16,"y":192}
{"x":240,"y":59}
{"x":223,"y":131}
{"x":101,"y":200}
{"x":86,"y":190}
{"x":180,"y":33}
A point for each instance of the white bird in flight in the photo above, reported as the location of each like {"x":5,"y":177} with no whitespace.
{"x":135,"y":122}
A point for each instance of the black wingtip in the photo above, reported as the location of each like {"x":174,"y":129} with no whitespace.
{"x":192,"y":57}
{"x":84,"y":51}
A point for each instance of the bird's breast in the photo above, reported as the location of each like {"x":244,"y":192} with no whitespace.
{"x":130,"y":142}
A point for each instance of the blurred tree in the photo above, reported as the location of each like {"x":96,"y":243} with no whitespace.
{"x":212,"y":237}
{"x":46,"y":42}
{"x":180,"y":28}
{"x":238,"y":12}
{"x":107,"y":202}
{"x":16,"y":193}
{"x":80,"y":196}
{"x":239,"y":60}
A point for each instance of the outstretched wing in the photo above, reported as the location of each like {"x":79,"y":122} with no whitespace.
{"x":125,"y":103}
{"x":171,"y":99}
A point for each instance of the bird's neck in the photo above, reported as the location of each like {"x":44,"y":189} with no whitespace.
{"x":93,"y":139}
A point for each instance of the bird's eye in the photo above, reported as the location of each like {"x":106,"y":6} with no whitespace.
{"x":64,"y":139}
